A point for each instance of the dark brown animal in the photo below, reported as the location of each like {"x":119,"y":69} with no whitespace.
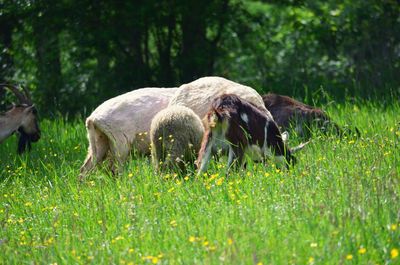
{"x":289,"y":114}
{"x":245,"y":129}
{"x":22,"y":119}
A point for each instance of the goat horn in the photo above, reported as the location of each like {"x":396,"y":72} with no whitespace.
{"x":24,"y":99}
{"x":27,"y":95}
{"x":299,"y":147}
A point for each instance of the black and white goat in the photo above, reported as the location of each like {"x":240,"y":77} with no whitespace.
{"x":246,"y":129}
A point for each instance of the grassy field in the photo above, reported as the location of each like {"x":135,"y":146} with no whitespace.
{"x":339,"y":205}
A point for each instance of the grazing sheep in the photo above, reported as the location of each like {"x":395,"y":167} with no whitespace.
{"x":175,"y":135}
{"x":289,"y":113}
{"x":121,"y":124}
{"x":199,"y":94}
{"x":246,"y":129}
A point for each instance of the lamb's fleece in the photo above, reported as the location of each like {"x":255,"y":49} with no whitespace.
{"x":175,"y":133}
{"x":199,"y":94}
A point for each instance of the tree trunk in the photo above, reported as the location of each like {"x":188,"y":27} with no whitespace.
{"x":48,"y":61}
{"x":194,"y":56}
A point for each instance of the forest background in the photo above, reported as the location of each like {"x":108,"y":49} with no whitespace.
{"x":94,"y":50}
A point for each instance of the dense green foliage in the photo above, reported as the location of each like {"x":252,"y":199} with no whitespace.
{"x":93,"y":50}
{"x":339,"y":205}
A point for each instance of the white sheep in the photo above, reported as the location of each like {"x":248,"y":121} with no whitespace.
{"x":176,"y":133}
{"x":199,"y":94}
{"x":121,"y":124}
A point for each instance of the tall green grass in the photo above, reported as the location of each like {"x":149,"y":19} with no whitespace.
{"x":339,"y":205}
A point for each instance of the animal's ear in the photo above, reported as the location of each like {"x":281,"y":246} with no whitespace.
{"x":29,"y":109}
{"x":285,"y":137}
{"x":299,"y":147}
{"x":11,"y":106}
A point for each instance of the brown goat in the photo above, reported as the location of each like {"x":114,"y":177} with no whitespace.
{"x":245,"y":129}
{"x":289,"y":113}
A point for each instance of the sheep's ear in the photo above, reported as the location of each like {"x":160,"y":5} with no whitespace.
{"x":285,"y":136}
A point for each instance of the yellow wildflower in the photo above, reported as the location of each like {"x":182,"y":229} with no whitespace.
{"x":173,"y":223}
{"x":212,"y":248}
{"x":118,"y":238}
{"x":349,"y":257}
{"x":219,"y":181}
{"x":394,"y":253}
{"x":362,"y":250}
{"x":213,"y":176}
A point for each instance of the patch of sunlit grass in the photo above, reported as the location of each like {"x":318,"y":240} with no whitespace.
{"x":339,"y":204}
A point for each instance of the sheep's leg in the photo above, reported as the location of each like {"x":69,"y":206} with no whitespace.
{"x":205,"y":157}
{"x":88,"y":165}
{"x":97,"y":151}
{"x":119,"y":153}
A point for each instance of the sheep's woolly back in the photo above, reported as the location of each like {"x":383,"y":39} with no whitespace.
{"x":199,"y":94}
{"x":176,"y":133}
{"x":126,"y":117}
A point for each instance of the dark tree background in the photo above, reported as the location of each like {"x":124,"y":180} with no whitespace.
{"x":75,"y":54}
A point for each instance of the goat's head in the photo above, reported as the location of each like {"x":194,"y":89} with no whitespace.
{"x":28,"y":129}
{"x":289,"y":152}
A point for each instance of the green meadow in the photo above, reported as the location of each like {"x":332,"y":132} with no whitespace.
{"x":340,"y":204}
